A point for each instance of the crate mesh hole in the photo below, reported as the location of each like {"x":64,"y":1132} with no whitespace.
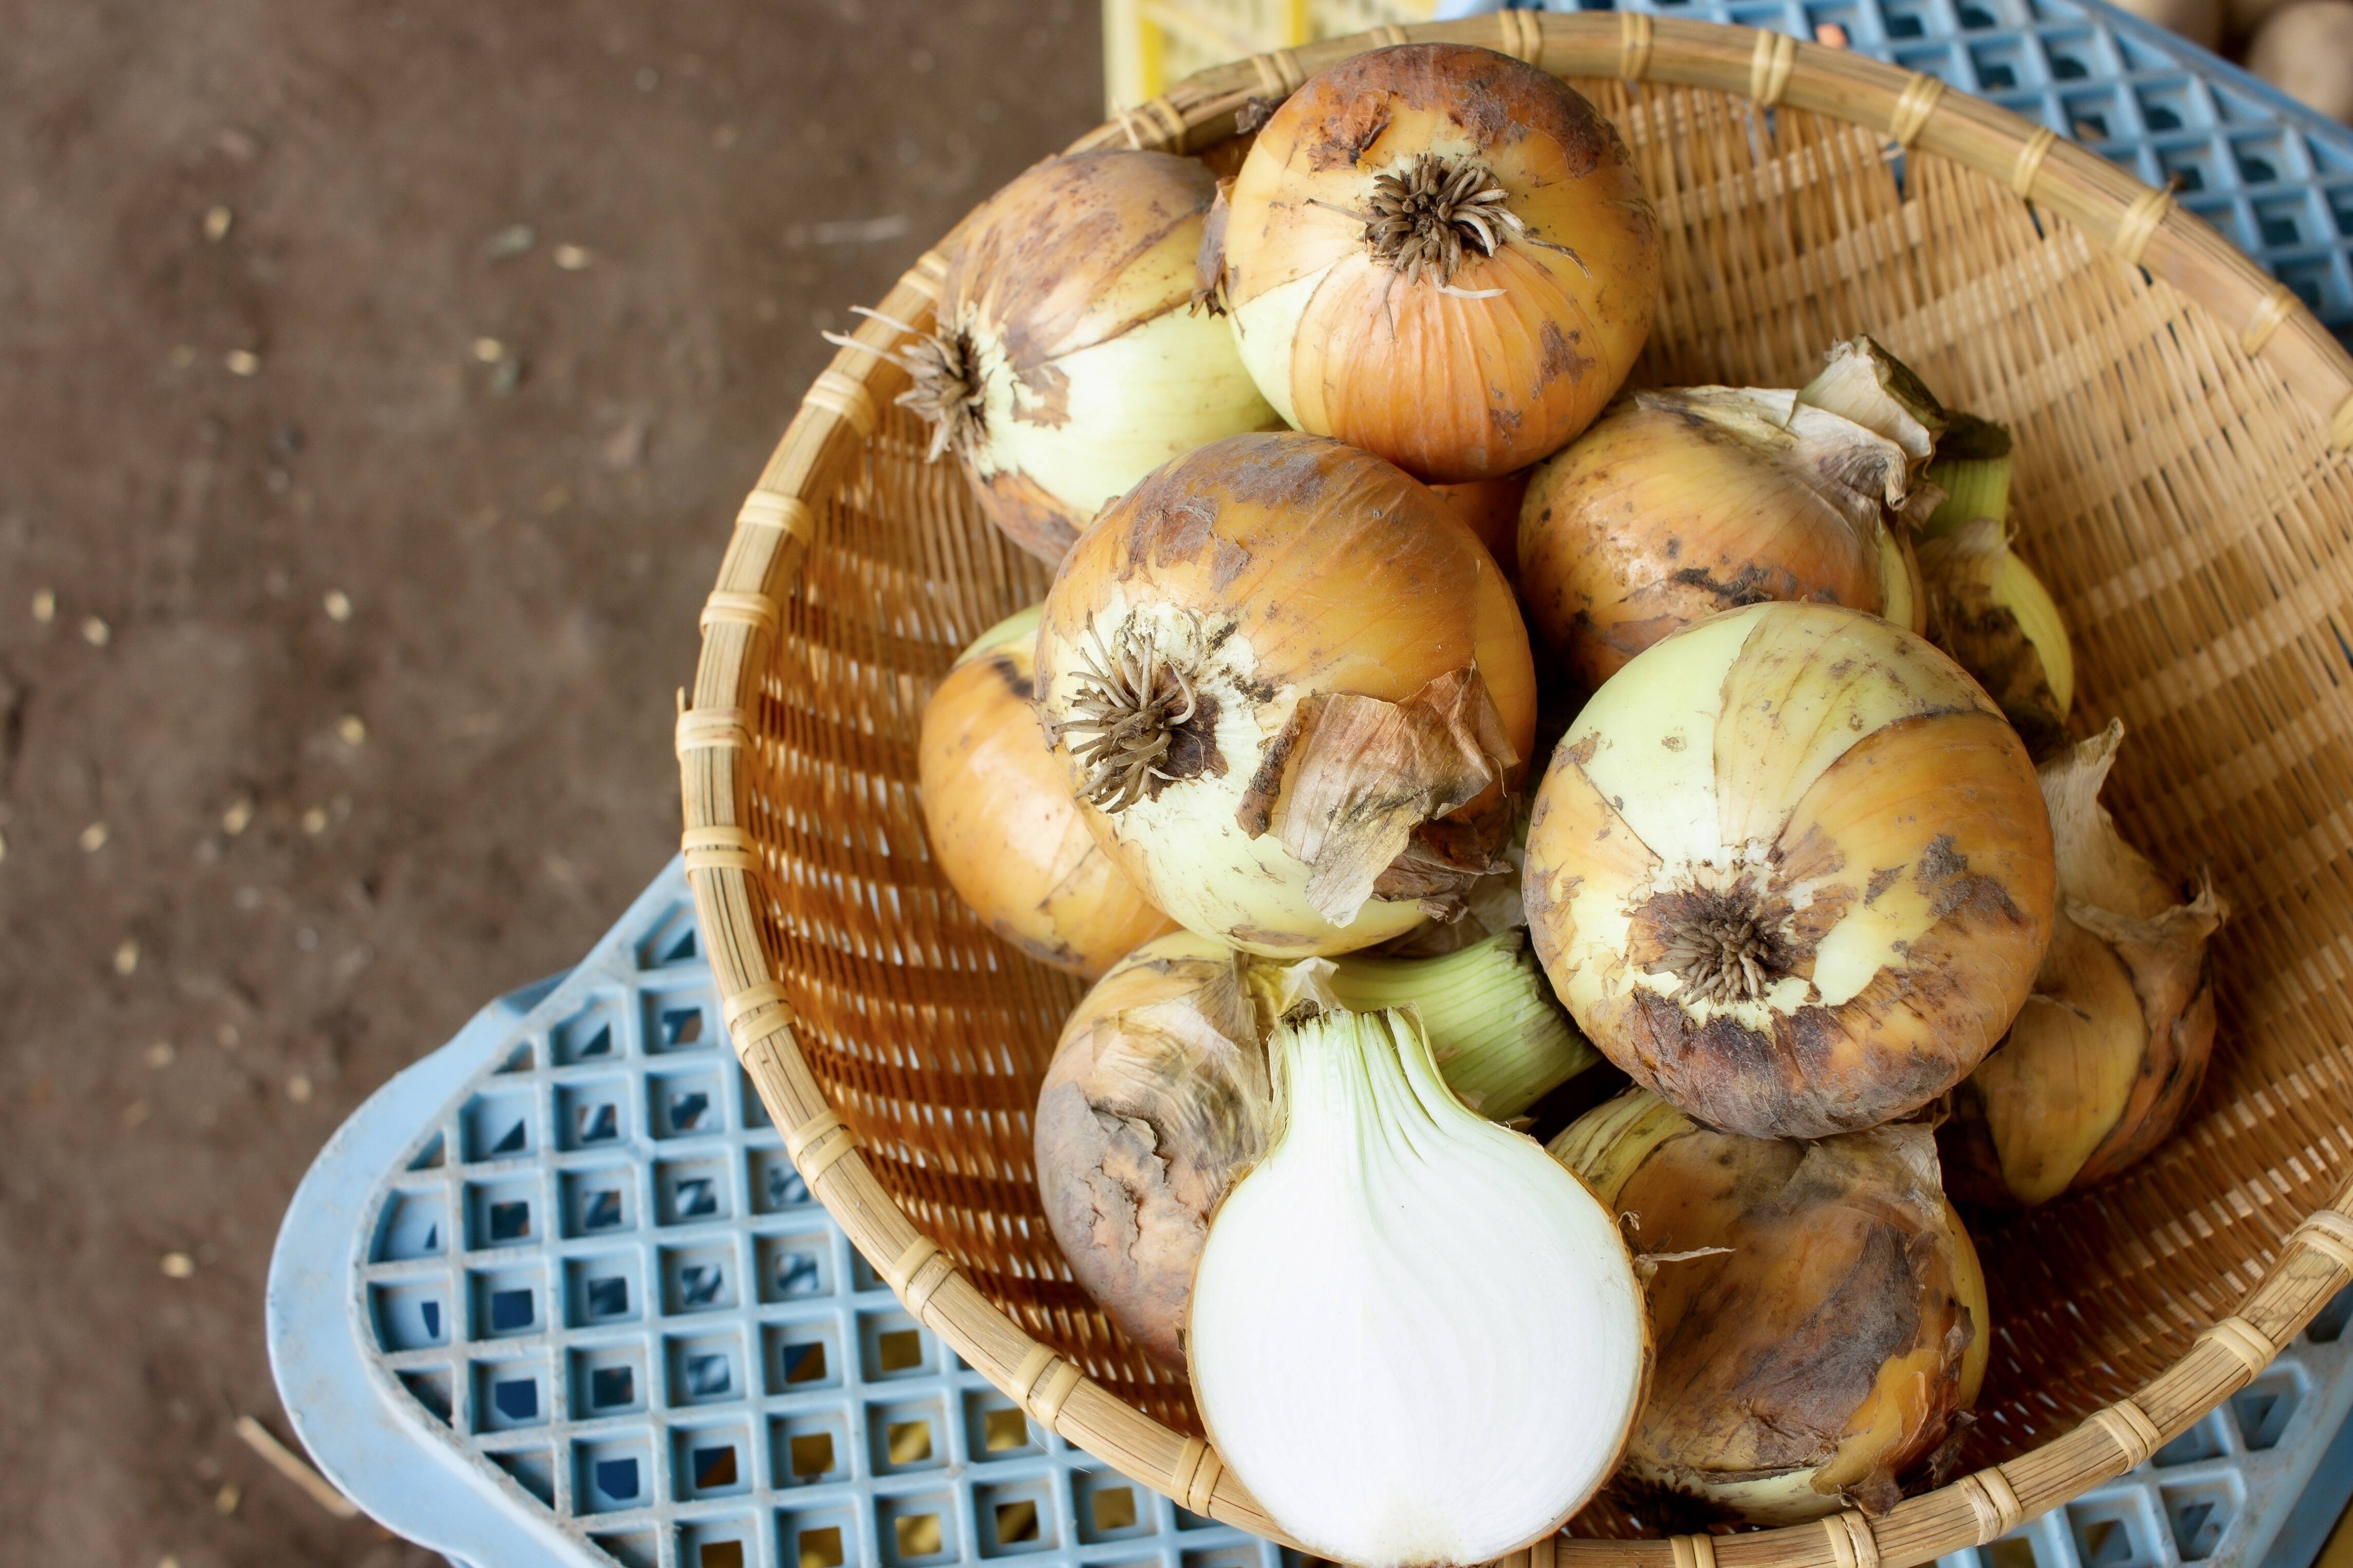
{"x":1115,"y":1508}
{"x":2264,"y":1409}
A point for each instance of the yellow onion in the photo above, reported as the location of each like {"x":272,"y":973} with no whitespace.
{"x":1990,"y":611}
{"x":1001,"y":821}
{"x":1414,"y":1338}
{"x":1441,"y":255}
{"x":1681,"y":503}
{"x":1792,"y":870}
{"x":1069,"y":359}
{"x":1158,"y":1097}
{"x":2110,"y":1049}
{"x":1295,"y":694}
{"x":1817,"y":1311}
{"x":1489,"y":508}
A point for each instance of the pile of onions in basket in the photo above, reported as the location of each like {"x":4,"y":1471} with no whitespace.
{"x":1816,"y":861}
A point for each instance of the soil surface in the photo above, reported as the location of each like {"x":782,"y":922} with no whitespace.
{"x":378,"y":382}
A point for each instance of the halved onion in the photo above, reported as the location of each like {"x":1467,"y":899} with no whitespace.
{"x":1294,"y":692}
{"x":1002,"y":824}
{"x":1441,"y":255}
{"x":1790,"y":869}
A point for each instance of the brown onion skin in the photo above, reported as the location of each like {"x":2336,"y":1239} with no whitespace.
{"x":1651,"y":521}
{"x":1489,"y":508}
{"x":1007,"y":834}
{"x":1826,"y":1355}
{"x":1446,"y":387}
{"x":1139,"y":1133}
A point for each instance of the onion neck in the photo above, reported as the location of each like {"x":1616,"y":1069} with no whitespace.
{"x":1867,"y":384}
{"x":1358,"y":1086}
{"x":1500,"y":1039}
{"x":1972,"y":468}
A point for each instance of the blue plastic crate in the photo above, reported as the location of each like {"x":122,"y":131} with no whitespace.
{"x":556,"y":1295}
{"x":2271,"y":174}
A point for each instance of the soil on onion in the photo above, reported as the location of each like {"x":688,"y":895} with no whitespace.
{"x":370,"y":535}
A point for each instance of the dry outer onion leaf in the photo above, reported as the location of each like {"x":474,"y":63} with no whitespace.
{"x":1414,"y":1337}
{"x":1818,"y":1311}
{"x":1792,"y":870}
{"x":1999,"y":622}
{"x":2110,"y":1049}
{"x":1158,"y":1096}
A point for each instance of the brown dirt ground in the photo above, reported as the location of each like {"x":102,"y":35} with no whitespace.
{"x":487,"y":554}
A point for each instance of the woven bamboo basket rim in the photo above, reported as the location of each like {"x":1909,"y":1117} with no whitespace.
{"x":840,"y":413}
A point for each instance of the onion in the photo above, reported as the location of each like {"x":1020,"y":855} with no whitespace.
{"x":1414,"y":1338}
{"x":2110,"y":1049}
{"x":1489,"y":508}
{"x":1818,"y":1312}
{"x":1069,"y":359}
{"x":1790,"y":869}
{"x":1441,"y":255}
{"x":1295,"y":694}
{"x":1990,"y":611}
{"x":1001,"y":821}
{"x":1681,"y":503}
{"x":1158,"y":1097}
{"x":1972,"y":468}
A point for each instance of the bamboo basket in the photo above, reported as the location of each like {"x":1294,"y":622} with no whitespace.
{"x":2184,"y":488}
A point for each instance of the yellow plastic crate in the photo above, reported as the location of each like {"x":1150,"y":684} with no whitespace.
{"x":1148,"y":43}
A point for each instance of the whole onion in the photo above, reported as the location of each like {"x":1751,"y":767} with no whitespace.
{"x":1680,"y":503}
{"x":1790,"y":869}
{"x":1441,"y":255}
{"x":2109,"y":1051}
{"x":1001,"y":821}
{"x":1489,"y":508}
{"x":1818,"y":1312}
{"x":1069,"y":359}
{"x":1295,"y":694}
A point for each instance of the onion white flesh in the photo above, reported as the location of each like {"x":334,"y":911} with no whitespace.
{"x":1414,"y":1337}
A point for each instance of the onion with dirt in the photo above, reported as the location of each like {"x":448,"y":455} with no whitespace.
{"x":1439,"y":254}
{"x":1818,"y":1312}
{"x":1790,"y":869}
{"x":1001,"y":821}
{"x":1294,"y":693}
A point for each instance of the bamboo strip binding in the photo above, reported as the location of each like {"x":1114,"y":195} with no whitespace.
{"x":841,"y":412}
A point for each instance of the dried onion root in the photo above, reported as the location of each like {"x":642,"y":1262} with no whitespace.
{"x":2110,"y":1049}
{"x":1001,"y":821}
{"x":1295,"y":694}
{"x":1681,"y":503}
{"x":1792,"y":870}
{"x":1158,"y":1095}
{"x":1414,"y":1337}
{"x":1818,"y":1311}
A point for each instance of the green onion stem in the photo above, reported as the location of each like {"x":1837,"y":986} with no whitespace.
{"x":1972,"y":468}
{"x":1499,"y":1036}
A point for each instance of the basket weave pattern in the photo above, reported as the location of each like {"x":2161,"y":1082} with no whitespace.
{"x":2183,"y":486}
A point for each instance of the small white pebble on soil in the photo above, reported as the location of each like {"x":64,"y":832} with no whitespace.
{"x":161,"y":1054}
{"x":353,"y":730}
{"x":95,"y":632}
{"x":338,"y":605}
{"x":178,"y":1266}
{"x":314,"y":821}
{"x":242,"y":362}
{"x":135,"y":1113}
{"x":226,"y":1499}
{"x":573,"y":258}
{"x":489,"y":350}
{"x":722,"y":137}
{"x":237,"y":817}
{"x":3,"y":846}
{"x":298,"y":1089}
{"x":216,"y":224}
{"x":126,"y":957}
{"x":45,"y":605}
{"x":227,"y":1036}
{"x":182,"y":357}
{"x":93,"y":839}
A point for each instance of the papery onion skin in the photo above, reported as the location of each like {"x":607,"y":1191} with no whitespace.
{"x":1073,"y":286}
{"x":1822,"y":1357}
{"x":1002,"y":825}
{"x":1660,"y":515}
{"x":1157,"y":1098}
{"x":1847,"y":788}
{"x":1310,"y":593}
{"x":2109,"y":1052}
{"x":1449,"y":387}
{"x":1410,"y":1343}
